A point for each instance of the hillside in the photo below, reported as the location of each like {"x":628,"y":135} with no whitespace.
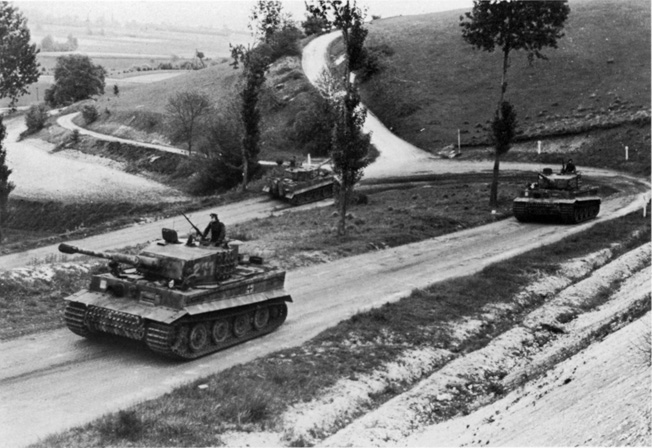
{"x":434,"y":83}
{"x":287,"y":96}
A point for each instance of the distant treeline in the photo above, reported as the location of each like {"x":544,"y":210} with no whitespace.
{"x":48,"y":44}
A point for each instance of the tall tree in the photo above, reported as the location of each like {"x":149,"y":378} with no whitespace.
{"x":350,"y":146}
{"x":267,"y":18}
{"x":18,"y":66}
{"x":255,"y":62}
{"x":346,"y":16}
{"x":6,"y":186}
{"x":76,"y":78}
{"x":512,"y":25}
{"x":350,"y":150}
{"x":186,"y":111}
{"x":266,"y":21}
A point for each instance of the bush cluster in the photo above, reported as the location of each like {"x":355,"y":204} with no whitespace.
{"x":373,"y":61}
{"x":89,"y":113}
{"x":186,"y":65}
{"x":36,"y":117}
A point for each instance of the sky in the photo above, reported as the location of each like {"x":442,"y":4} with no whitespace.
{"x":214,"y":13}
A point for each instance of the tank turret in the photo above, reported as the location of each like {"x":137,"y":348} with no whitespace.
{"x":182,"y":300}
{"x":185,"y":264}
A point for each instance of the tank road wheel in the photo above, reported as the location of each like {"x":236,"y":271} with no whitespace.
{"x":261,"y":318}
{"x":220,"y":331}
{"x":578,"y":215}
{"x":198,"y":337}
{"x":240,"y":325}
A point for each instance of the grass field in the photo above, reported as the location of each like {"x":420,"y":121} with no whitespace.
{"x":119,"y":49}
{"x":435,"y":83}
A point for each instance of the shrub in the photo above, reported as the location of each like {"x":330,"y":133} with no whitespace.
{"x":314,"y":25}
{"x":373,"y":61}
{"x":90,"y":113}
{"x":36,"y":117}
{"x":285,"y":43}
{"x":124,"y":425}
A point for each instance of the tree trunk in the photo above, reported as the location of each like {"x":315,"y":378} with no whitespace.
{"x":245,"y":170}
{"x":341,"y":225}
{"x":493,"y":195}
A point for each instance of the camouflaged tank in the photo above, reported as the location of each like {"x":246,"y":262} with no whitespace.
{"x":557,"y":197}
{"x":182,"y":300}
{"x":302,"y":184}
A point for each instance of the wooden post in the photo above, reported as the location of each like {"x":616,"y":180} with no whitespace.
{"x":645,"y":201}
{"x":539,"y":147}
{"x":459,"y":141}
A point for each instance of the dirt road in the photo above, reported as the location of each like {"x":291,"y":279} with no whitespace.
{"x":41,"y":174}
{"x":56,"y":380}
{"x":66,"y":122}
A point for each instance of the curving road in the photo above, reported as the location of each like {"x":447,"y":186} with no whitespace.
{"x":55,"y":380}
{"x":41,"y":174}
{"x":65,"y":121}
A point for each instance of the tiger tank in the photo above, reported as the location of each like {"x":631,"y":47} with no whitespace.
{"x":301,"y":184}
{"x":182,"y":300}
{"x":557,"y":197}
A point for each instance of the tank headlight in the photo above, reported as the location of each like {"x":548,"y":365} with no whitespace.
{"x":171,"y":284}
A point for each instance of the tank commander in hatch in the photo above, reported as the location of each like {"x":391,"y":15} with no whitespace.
{"x":569,"y":168}
{"x":217,"y":229}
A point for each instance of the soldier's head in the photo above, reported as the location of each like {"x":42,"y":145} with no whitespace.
{"x":213,"y":217}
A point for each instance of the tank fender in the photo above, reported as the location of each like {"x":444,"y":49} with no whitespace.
{"x":129,"y":306}
{"x":312,"y":187}
{"x":238,"y":301}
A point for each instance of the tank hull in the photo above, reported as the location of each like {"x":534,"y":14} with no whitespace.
{"x":181,"y":323}
{"x":301,"y":185}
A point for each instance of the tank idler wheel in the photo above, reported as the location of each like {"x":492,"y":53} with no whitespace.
{"x":198,"y":337}
{"x":220,"y":331}
{"x":261,"y":318}
{"x":240,"y":325}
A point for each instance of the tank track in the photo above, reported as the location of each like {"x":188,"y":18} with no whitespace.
{"x":579,"y":212}
{"x":188,"y":338}
{"x":191,"y":338}
{"x":74,"y":317}
{"x":520,"y":211}
{"x":313,"y":195}
{"x":568,"y":213}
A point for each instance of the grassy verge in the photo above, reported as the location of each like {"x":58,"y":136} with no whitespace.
{"x":254,"y":395}
{"x":604,"y":148}
{"x":28,"y":227}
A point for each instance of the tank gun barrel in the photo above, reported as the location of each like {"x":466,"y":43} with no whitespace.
{"x":133,"y":260}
